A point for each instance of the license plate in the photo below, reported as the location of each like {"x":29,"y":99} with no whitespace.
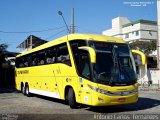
{"x":121,"y":100}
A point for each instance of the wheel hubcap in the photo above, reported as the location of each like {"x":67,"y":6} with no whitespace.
{"x":27,"y":91}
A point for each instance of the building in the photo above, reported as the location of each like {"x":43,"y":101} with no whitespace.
{"x":158,"y":20}
{"x":136,"y":33}
{"x":7,"y":71}
{"x":140,"y":30}
{"x":30,"y":43}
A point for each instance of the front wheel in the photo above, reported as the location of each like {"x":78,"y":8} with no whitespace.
{"x":71,"y":99}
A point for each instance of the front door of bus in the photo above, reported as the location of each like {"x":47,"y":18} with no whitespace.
{"x":85,"y":91}
{"x":84,"y":80}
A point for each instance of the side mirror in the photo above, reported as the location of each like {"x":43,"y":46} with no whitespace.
{"x":141,"y":57}
{"x":91,"y":51}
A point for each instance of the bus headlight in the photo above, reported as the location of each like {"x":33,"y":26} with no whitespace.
{"x":125,"y":93}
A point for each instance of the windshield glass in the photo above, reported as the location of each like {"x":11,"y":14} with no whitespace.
{"x":114,"y":64}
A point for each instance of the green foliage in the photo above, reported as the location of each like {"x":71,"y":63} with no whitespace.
{"x":146,"y":47}
{"x":3,"y":47}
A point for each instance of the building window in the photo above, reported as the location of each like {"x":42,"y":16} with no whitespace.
{"x":127,"y":35}
{"x":137,"y":33}
{"x":150,"y":33}
{"x":151,"y":62}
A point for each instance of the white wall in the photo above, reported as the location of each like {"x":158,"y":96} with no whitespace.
{"x":150,"y":32}
{"x":158,"y":20}
{"x":119,"y":21}
{"x":116,"y":27}
{"x":148,"y":35}
{"x":152,"y":75}
{"x":119,"y":36}
{"x":130,"y":30}
{"x":111,"y":32}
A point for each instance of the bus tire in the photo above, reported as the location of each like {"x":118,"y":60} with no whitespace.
{"x":27,"y":93}
{"x":71,"y":99}
{"x":23,"y":90}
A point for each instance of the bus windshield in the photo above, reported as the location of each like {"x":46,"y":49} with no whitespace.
{"x":114,"y":64}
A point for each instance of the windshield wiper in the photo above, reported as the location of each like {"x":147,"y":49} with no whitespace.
{"x":115,"y":69}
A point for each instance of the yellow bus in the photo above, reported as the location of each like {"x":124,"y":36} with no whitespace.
{"x":89,"y":69}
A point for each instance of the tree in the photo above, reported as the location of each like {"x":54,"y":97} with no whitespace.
{"x":146,"y":47}
{"x":3,"y":48}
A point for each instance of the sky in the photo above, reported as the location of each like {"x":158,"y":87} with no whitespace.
{"x":21,"y":18}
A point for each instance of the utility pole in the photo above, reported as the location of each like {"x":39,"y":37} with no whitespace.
{"x":158,"y":32}
{"x":72,"y":21}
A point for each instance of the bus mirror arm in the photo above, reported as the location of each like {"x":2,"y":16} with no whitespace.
{"x":91,"y":51}
{"x":141,"y":57}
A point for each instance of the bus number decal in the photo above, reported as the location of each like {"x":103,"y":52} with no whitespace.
{"x":23,"y":72}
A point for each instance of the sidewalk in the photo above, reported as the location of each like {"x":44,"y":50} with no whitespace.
{"x":152,"y":87}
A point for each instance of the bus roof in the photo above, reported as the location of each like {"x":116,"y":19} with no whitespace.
{"x":70,"y":37}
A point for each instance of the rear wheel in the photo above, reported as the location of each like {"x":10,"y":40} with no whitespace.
{"x":27,"y":93}
{"x":21,"y":88}
{"x":71,"y":99}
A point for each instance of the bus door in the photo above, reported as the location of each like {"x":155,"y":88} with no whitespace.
{"x":83,"y":67}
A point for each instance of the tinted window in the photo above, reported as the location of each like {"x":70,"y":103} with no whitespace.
{"x":34,"y":59}
{"x":81,"y":58}
{"x":56,"y":54}
{"x":50,"y":55}
{"x":63,"y":54}
{"x":41,"y":57}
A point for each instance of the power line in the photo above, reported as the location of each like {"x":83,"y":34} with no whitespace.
{"x":52,"y":29}
{"x":55,"y":34}
{"x":85,"y":29}
{"x":34,"y":31}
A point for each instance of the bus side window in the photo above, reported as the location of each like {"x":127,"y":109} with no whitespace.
{"x":81,"y":59}
{"x":50,"y":55}
{"x":26,"y":64}
{"x":63,"y":55}
{"x":41,"y":57}
{"x":21,"y":62}
{"x":34,"y":60}
{"x":83,"y":64}
{"x":27,"y":61}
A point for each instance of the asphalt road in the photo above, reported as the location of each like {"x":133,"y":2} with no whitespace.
{"x":15,"y":105}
